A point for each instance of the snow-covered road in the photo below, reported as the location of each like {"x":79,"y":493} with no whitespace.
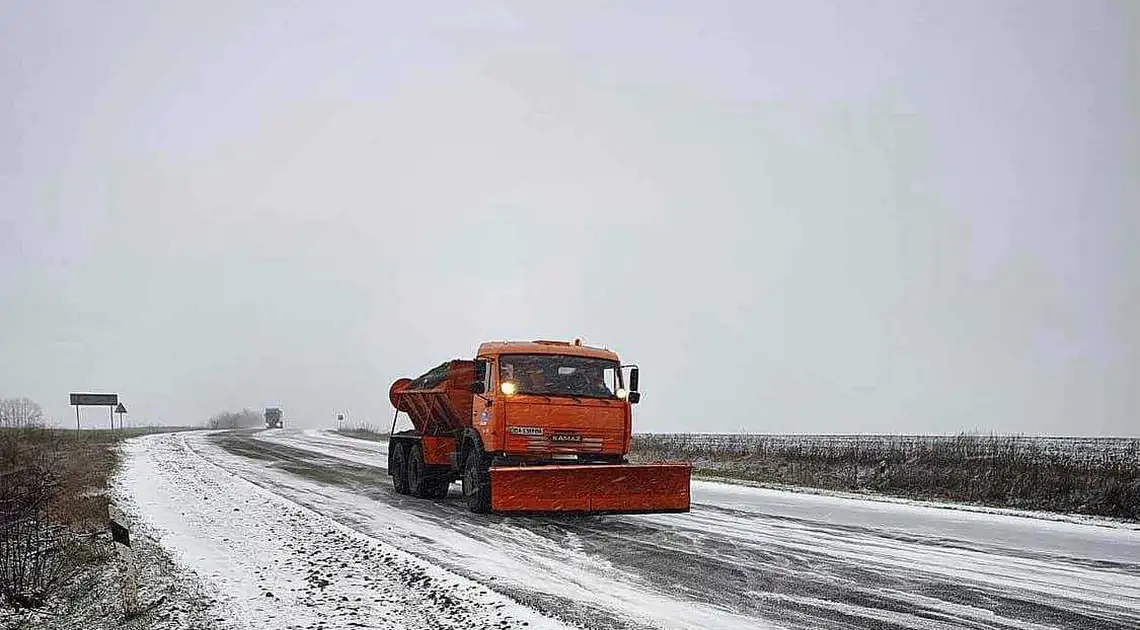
{"x":743,"y":558}
{"x":276,"y":564}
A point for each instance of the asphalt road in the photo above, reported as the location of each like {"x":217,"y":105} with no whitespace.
{"x":743,"y":557}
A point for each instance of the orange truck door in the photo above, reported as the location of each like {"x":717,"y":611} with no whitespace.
{"x":483,"y":412}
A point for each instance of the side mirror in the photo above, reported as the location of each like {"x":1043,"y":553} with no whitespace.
{"x":478,"y":387}
{"x":633,"y":374}
{"x":634,"y":398}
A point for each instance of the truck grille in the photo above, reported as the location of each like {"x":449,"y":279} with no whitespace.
{"x":562,"y":442}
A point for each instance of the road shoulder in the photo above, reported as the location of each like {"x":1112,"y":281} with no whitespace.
{"x":273,"y":562}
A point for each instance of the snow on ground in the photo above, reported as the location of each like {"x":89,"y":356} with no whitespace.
{"x":1106,"y":541}
{"x":497,"y":550}
{"x":277,"y":564}
{"x":172,"y":597}
{"x":1083,"y":519}
{"x":705,"y":489}
{"x":366,"y":452}
{"x":252,"y":510}
{"x":1110,"y":540}
{"x":1028,"y":568}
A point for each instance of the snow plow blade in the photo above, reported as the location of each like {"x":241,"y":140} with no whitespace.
{"x":607,"y":488}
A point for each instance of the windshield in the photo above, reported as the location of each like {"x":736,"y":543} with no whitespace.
{"x":560,"y":375}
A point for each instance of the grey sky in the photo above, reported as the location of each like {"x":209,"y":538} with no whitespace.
{"x":796,"y":216}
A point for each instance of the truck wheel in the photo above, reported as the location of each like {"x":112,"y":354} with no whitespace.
{"x":477,"y":482}
{"x":418,"y":484}
{"x":398,"y":467}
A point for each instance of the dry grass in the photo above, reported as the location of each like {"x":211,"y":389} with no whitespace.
{"x":53,"y":508}
{"x":47,"y":514}
{"x":363,"y":431}
{"x":1072,"y":475}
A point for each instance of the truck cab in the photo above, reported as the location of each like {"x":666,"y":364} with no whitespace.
{"x":552,"y":401}
{"x":273,"y":418}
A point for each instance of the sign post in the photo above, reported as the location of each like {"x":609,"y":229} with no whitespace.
{"x":121,"y":536}
{"x":94,"y":400}
{"x":120,"y":409}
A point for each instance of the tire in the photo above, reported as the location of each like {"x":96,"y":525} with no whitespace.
{"x":477,"y":482}
{"x":398,"y":467}
{"x":418,"y":483}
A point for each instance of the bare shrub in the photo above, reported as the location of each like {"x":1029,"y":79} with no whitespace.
{"x":20,"y":413}
{"x":37,"y":555}
{"x":363,"y":430}
{"x":244,"y":419}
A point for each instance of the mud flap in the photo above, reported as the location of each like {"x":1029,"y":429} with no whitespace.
{"x":611,"y":488}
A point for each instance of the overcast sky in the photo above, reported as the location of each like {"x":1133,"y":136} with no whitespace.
{"x":796,"y":216}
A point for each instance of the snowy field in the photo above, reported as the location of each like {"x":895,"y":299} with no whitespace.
{"x":294,"y":528}
{"x":1077,"y":449}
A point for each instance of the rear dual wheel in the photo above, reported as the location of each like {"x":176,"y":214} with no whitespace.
{"x":417,"y":481}
{"x":410,"y":476}
{"x":398,"y":466}
{"x":420,"y":482}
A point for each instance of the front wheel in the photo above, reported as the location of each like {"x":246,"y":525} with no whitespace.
{"x":477,"y":483}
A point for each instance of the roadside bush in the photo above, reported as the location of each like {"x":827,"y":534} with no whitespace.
{"x":363,"y":431}
{"x":39,"y":552}
{"x":244,"y":419}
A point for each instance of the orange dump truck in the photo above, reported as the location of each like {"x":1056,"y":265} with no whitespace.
{"x":529,"y":426}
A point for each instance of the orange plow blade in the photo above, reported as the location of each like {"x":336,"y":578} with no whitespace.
{"x":591,"y":488}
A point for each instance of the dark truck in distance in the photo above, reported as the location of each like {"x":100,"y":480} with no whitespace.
{"x":273,"y":418}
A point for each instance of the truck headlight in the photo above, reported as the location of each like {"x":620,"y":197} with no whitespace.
{"x":622,"y":393}
{"x":508,"y":388}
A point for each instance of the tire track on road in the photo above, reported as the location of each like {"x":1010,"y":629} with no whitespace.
{"x":769,"y":568}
